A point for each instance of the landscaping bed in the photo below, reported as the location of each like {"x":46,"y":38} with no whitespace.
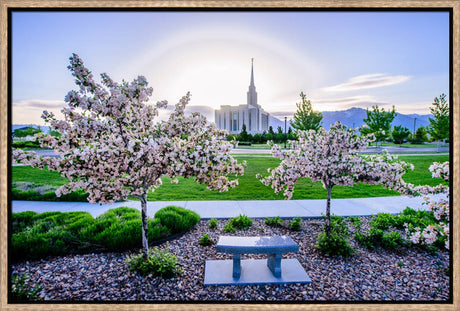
{"x":403,"y":274}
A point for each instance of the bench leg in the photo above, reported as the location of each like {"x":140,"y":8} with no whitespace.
{"x":274,"y":264}
{"x":236,"y":265}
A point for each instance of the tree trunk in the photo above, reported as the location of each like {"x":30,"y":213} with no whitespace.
{"x":438,"y":145}
{"x":145,"y":243}
{"x":328,"y":211}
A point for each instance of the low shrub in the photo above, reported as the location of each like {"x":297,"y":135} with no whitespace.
{"x":156,"y":231}
{"x":37,"y":242}
{"x":334,"y":245}
{"x":295,"y":224}
{"x":177,"y":219}
{"x":414,"y":218}
{"x":159,"y":263}
{"x":26,"y":144}
{"x":121,"y":228}
{"x":355,"y":221}
{"x":56,"y":233}
{"x":339,"y":226}
{"x":392,"y":240}
{"x":274,"y":222}
{"x":33,"y":195}
{"x":212,"y":223}
{"x":229,"y":228}
{"x":378,"y":238}
{"x":205,"y":240}
{"x":20,"y":221}
{"x":383,"y":221}
{"x":241,"y":222}
{"x":21,"y":291}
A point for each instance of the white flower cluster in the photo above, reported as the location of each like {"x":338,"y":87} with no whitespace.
{"x":112,"y":147}
{"x":439,"y":207}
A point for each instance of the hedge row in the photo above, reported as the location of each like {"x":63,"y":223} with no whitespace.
{"x":37,"y":236}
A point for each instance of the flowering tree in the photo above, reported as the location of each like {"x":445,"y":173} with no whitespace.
{"x":439,"y":207}
{"x":331,"y":157}
{"x":111,"y":146}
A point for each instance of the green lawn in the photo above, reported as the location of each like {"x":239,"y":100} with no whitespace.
{"x":250,"y":188}
{"x":409,"y":145}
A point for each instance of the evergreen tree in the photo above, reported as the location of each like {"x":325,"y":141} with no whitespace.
{"x":378,"y":122}
{"x":439,"y":125}
{"x":271,"y":132}
{"x":243,"y":136}
{"x":305,"y":118}
{"x":420,"y":135}
{"x":399,"y":134}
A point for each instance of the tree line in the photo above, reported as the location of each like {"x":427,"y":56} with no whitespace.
{"x":378,"y":122}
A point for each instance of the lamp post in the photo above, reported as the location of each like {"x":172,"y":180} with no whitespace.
{"x":285,"y":135}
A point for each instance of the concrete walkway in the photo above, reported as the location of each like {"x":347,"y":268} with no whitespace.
{"x":253,"y":209}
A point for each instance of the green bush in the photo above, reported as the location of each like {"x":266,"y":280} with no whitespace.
{"x":45,"y":234}
{"x":241,"y":222}
{"x":295,"y":224}
{"x":334,"y":245}
{"x":20,"y":221}
{"x":212,"y":223}
{"x":244,"y":143}
{"x":33,"y":195}
{"x":229,"y":228}
{"x":338,"y":226}
{"x":21,"y":291}
{"x":392,"y":240}
{"x":159,"y":263}
{"x":77,"y":221}
{"x":356,"y":221}
{"x":383,"y":221}
{"x":205,"y":240}
{"x":39,"y":242}
{"x":56,"y":233}
{"x":121,"y":228}
{"x":274,"y":222}
{"x":156,"y":231}
{"x":177,"y":219}
{"x":26,"y":144}
{"x":414,"y":219}
{"x":378,"y":238}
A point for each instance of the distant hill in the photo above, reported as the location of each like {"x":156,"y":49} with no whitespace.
{"x":354,"y":117}
{"x":351,"y":117}
{"x":44,"y":128}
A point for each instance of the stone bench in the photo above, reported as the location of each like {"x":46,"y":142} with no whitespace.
{"x":274,"y":247}
{"x":273,"y":270}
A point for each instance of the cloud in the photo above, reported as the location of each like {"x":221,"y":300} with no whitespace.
{"x":281,"y":114}
{"x":363,"y":101}
{"x":367,"y":82}
{"x":39,"y":103}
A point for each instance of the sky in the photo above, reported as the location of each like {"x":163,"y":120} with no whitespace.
{"x":339,"y":60}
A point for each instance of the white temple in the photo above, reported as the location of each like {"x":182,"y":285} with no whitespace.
{"x":232,"y":118}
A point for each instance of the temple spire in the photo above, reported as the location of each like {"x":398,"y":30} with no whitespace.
{"x":252,"y":72}
{"x":252,"y":94}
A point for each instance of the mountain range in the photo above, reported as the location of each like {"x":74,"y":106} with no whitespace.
{"x":353,"y":117}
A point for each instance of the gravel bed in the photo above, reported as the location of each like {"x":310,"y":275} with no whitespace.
{"x":403,"y":275}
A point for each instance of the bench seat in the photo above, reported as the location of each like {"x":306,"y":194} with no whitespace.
{"x":256,"y":245}
{"x":274,"y":246}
